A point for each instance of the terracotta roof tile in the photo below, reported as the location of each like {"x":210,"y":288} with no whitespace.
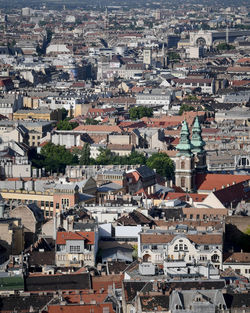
{"x":217,"y":181}
{"x":63,"y":236}
{"x":93,"y":308}
{"x":199,"y":239}
{"x":237,"y":257}
{"x":98,"y":128}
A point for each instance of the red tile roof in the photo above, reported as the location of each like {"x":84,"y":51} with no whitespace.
{"x":239,"y":69}
{"x":243,"y":60}
{"x":99,"y":282}
{"x":93,"y":308}
{"x":98,"y":128}
{"x":233,"y":194}
{"x":63,"y":236}
{"x":237,"y":257}
{"x":199,"y":239}
{"x":217,"y":181}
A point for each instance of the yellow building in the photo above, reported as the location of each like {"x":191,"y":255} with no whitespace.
{"x":38,"y":114}
{"x":31,"y":102}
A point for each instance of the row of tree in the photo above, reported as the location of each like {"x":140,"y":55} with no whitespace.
{"x":55,"y":158}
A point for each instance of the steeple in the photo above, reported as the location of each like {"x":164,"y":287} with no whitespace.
{"x":197,"y":142}
{"x":184,"y":147}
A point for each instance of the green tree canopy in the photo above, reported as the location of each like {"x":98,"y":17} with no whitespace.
{"x":85,"y":155}
{"x":66,"y":125}
{"x":174,"y":56}
{"x":162,"y":163}
{"x":91,"y":121}
{"x":140,"y":112}
{"x":105,"y":157}
{"x":64,"y":113}
{"x":224,"y":46}
{"x":185,"y":108}
{"x":56,"y":157}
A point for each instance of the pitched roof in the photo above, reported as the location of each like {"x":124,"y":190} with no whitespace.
{"x":237,"y":257}
{"x":99,"y":282}
{"x":233,"y":194}
{"x":134,"y":218}
{"x":152,"y":303}
{"x":98,"y":128}
{"x":63,"y":236}
{"x":58,"y":282}
{"x":145,"y":171}
{"x":217,"y":181}
{"x":196,"y":238}
{"x":42,"y":258}
{"x":93,"y":308}
{"x":14,"y":303}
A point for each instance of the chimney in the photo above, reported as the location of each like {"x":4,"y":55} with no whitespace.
{"x":155,"y":286}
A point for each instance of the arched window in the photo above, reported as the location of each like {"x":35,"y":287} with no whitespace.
{"x":183,"y":181}
{"x":215,"y":258}
{"x":182,"y":165}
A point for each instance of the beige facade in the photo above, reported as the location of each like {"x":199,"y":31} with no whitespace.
{"x":12,"y":236}
{"x":27,"y":217}
{"x":184,"y":172}
{"x":31,"y":102}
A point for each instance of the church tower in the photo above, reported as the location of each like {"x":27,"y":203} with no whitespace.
{"x":184,"y":165}
{"x":197,"y":149}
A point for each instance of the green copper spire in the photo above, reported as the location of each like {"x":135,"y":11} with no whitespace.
{"x":197,"y":142}
{"x":184,"y":146}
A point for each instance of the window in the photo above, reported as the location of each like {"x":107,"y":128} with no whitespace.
{"x":65,"y":202}
{"x":215,"y":258}
{"x":47,"y":204}
{"x":42,"y":203}
{"x":57,"y":205}
{"x":74,"y":249}
{"x":182,"y":165}
{"x":183,"y":181}
{"x":51,"y":204}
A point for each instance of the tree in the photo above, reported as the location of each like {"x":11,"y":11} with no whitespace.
{"x":185,"y":108}
{"x":91,"y":121}
{"x":64,"y":113}
{"x":66,"y":125}
{"x":85,"y":155}
{"x":162,"y":163}
{"x":136,"y":158}
{"x":105,"y":157}
{"x":136,"y":113}
{"x":224,"y":46}
{"x":174,"y":56}
{"x":56,"y":157}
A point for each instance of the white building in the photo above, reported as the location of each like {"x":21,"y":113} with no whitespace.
{"x":158,"y":97}
{"x":193,"y":246}
{"x":238,"y":262}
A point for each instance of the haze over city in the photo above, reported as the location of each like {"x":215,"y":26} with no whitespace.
{"x":124,"y":156}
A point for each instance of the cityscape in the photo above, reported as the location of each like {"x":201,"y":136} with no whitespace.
{"x":125,"y":156}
